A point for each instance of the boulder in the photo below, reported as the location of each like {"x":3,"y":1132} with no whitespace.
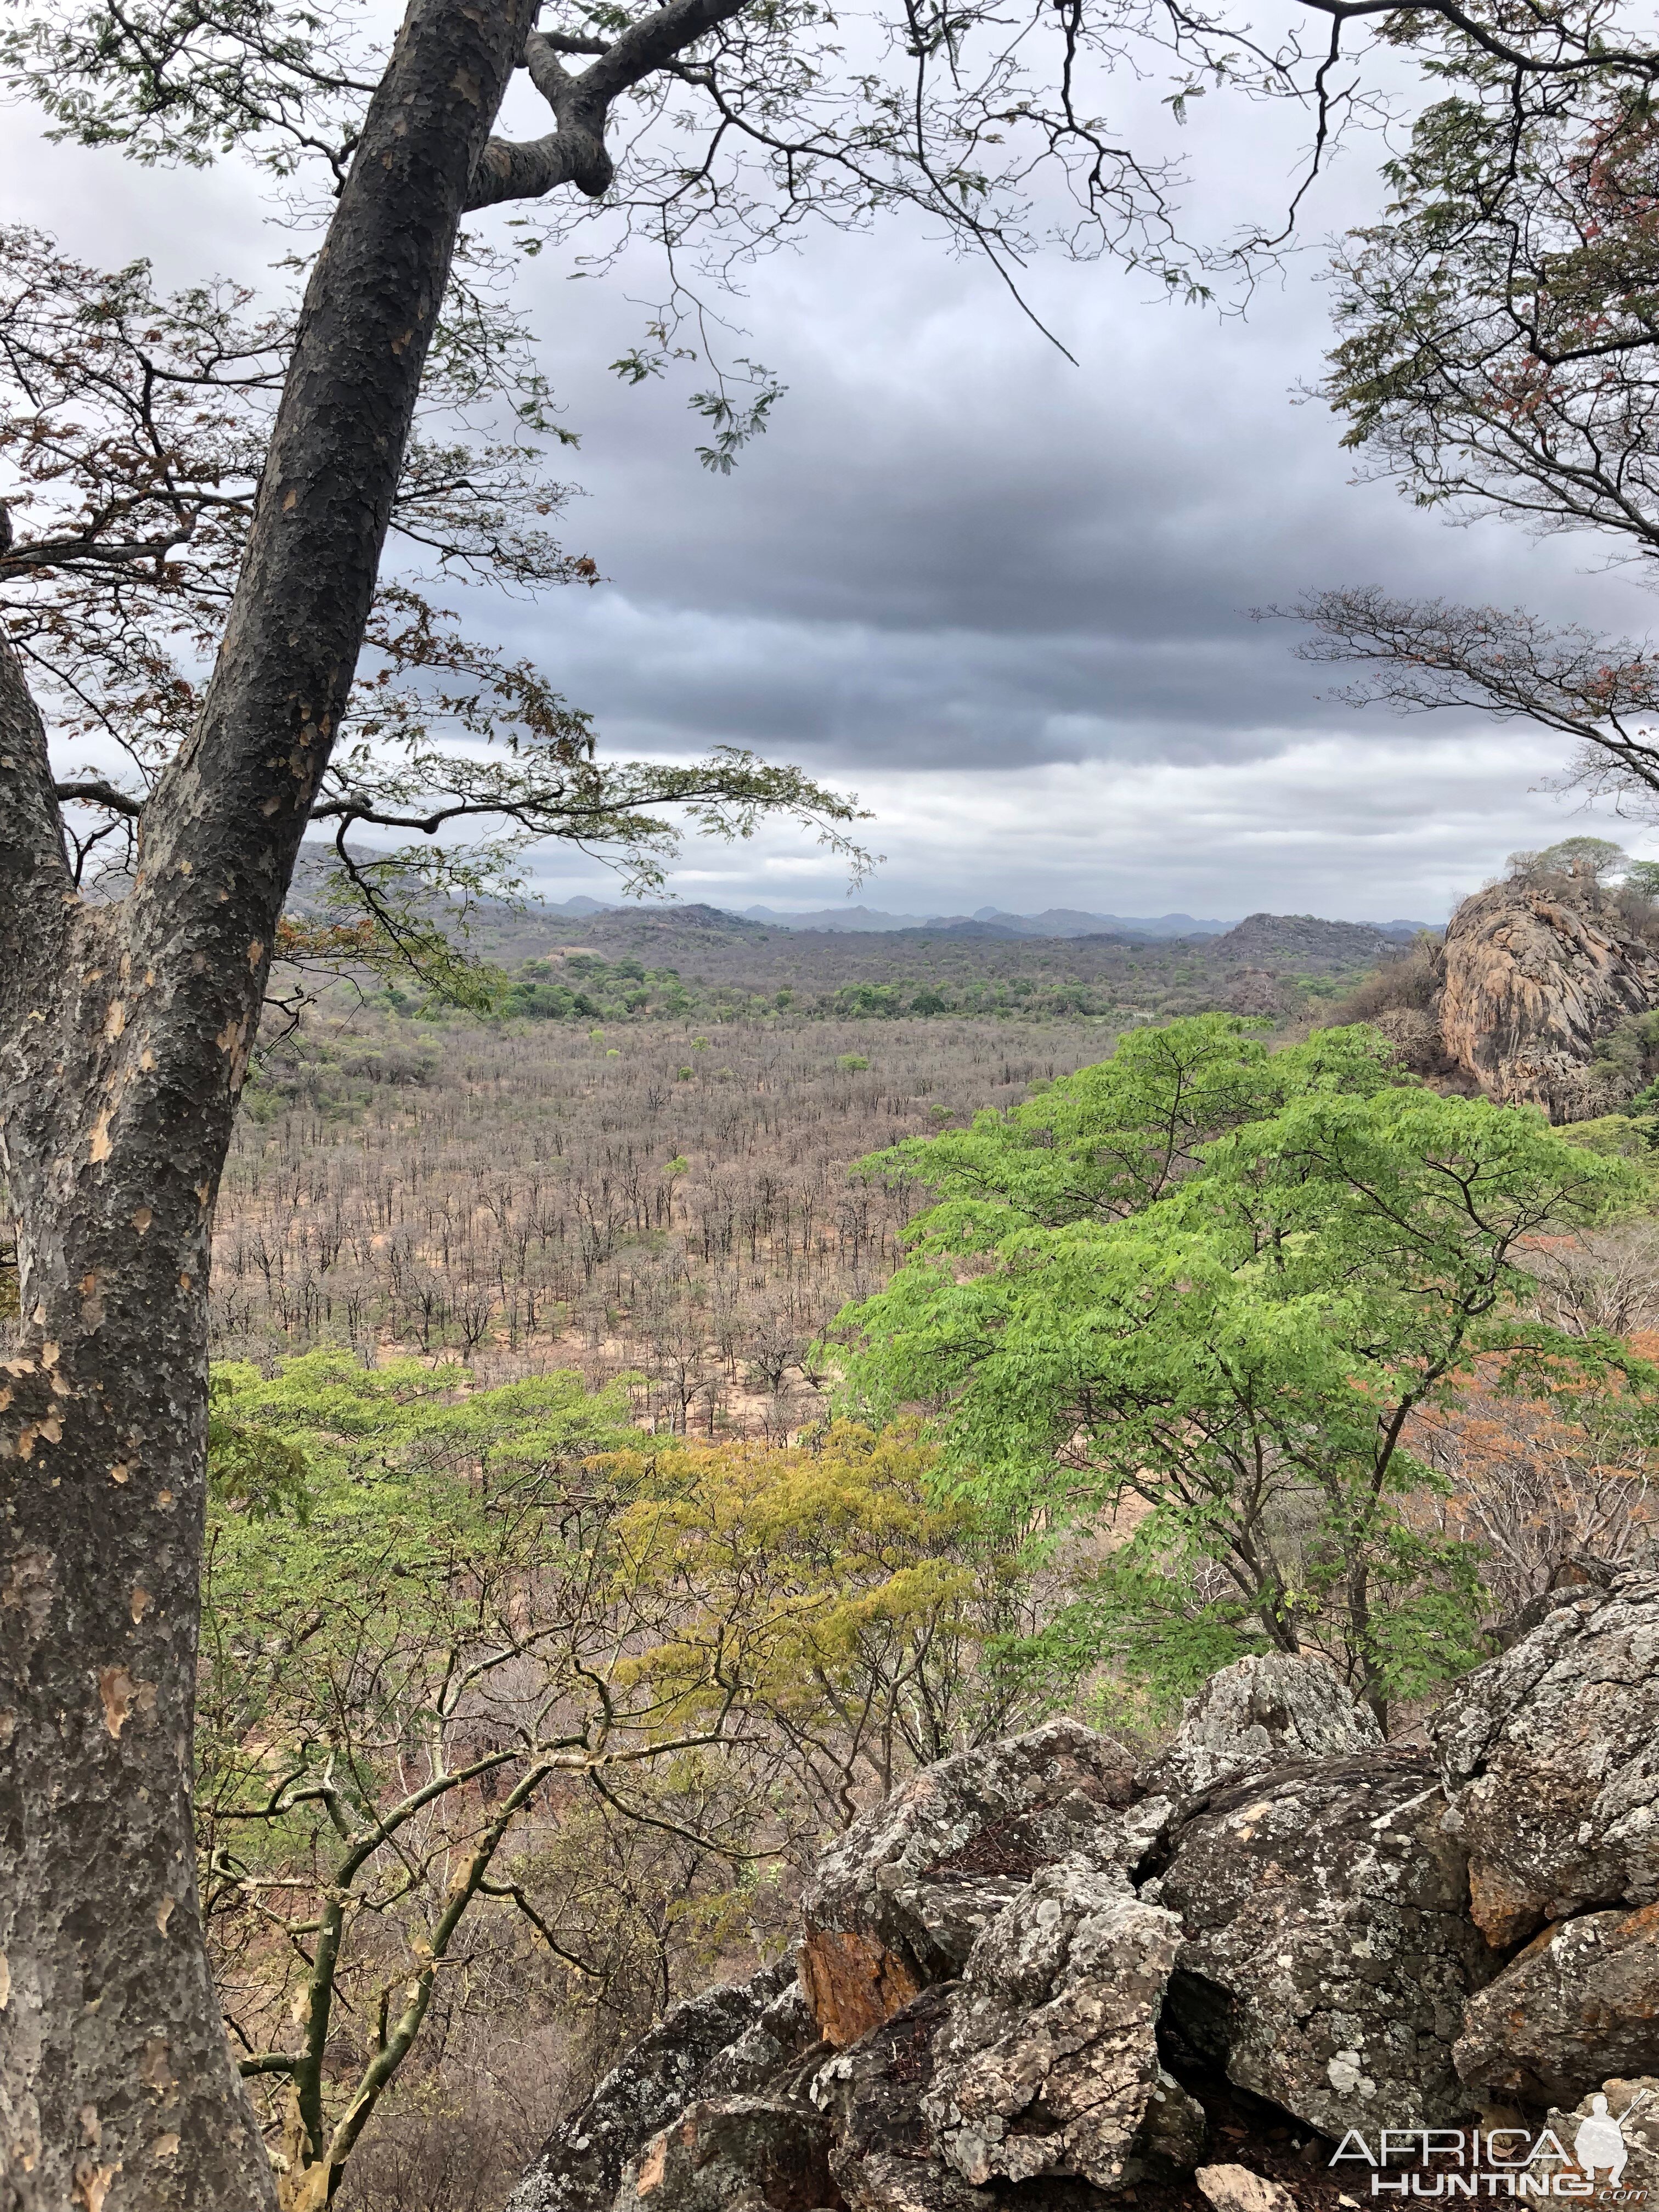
{"x":1048,"y":2061}
{"x":782,"y":2036}
{"x":1535,"y":975}
{"x":733,"y":2154}
{"x":1328,"y":1953}
{"x":580,"y":2167}
{"x":1633,"y":2107}
{"x":1550,"y":1756}
{"x":1235,"y":2189}
{"x":1264,"y":1711}
{"x":899,"y":1900}
{"x":882,"y":2155}
{"x":1580,"y":2003}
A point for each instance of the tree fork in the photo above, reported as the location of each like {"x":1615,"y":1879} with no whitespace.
{"x":124,"y":1032}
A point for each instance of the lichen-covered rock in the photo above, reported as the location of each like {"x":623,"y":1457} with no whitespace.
{"x":1048,"y":2059}
{"x":1550,"y":1754}
{"x":1580,"y":2003}
{"x":733,"y":2154}
{"x":1328,"y":1953}
{"x":1264,"y":1711}
{"x":1619,"y":2120}
{"x":882,"y":2155}
{"x":785,"y":2032}
{"x":900,"y":1900}
{"x":1172,"y":2135}
{"x":580,"y":2167}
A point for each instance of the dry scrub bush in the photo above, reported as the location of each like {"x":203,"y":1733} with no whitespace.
{"x":669,"y":1203}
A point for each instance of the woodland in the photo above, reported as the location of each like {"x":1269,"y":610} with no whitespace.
{"x":514,"y":1437}
{"x":551,"y":1370}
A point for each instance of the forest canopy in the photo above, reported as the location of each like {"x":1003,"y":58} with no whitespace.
{"x":1202,"y":1300}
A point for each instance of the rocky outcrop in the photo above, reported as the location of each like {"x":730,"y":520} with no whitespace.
{"x":580,"y":2167}
{"x":899,"y":1900}
{"x":1328,"y":1951}
{"x":1582,"y":1999}
{"x":1265,"y":1710}
{"x":782,"y":2034}
{"x":741,"y":2155}
{"x":1027,"y":1975}
{"x":1535,"y":976}
{"x":885,"y":2159}
{"x":1050,"y":2059}
{"x":1550,"y":1757}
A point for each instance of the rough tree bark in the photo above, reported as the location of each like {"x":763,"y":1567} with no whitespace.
{"x":124,"y":1032}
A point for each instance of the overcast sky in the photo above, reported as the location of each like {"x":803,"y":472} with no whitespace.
{"x":1004,"y":599}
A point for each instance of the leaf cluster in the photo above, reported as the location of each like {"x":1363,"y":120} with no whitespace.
{"x":1195,"y":1297}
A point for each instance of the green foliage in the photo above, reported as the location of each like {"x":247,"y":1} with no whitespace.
{"x":1195,"y":1297}
{"x":1597,"y":858}
{"x":479,"y":1652}
{"x":252,"y":1470}
{"x":1145,"y":1633}
{"x":1621,"y":1136}
{"x":404,"y":1615}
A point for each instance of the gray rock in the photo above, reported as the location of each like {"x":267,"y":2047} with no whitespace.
{"x":1268,"y":1710}
{"x":898,"y":1902}
{"x":1235,"y":2189}
{"x":1328,"y":1954}
{"x":580,"y":2167}
{"x":1550,"y":1754}
{"x":1172,"y":2135}
{"x":779,"y":2039}
{"x":733,"y":2154}
{"x":1579,"y":2004}
{"x":882,"y":2155}
{"x":1049,"y":2060}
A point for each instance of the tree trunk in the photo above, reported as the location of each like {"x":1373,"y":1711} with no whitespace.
{"x":124,"y":1032}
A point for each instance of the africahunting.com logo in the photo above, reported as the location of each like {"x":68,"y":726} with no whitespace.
{"x":1501,"y":2161}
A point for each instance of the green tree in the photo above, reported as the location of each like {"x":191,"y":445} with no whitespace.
{"x":1194,"y":1298}
{"x":459,"y":1643}
{"x":412,"y":1623}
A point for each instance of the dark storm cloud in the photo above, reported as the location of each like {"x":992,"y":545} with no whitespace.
{"x":1004,"y":596}
{"x":956,"y":551}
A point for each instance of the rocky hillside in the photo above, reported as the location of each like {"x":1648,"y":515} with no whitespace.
{"x":1538,"y":994}
{"x":1536,"y":976}
{"x":1303,"y":940}
{"x":1041,"y":1977}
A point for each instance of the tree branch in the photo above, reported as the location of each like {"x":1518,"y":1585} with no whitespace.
{"x":95,"y":793}
{"x":574,"y":152}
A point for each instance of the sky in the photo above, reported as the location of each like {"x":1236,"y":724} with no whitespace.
{"x":1003,"y":598}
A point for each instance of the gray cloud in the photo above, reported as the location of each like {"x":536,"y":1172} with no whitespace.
{"x":1006,"y":597}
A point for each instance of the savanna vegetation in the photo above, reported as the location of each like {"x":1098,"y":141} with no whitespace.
{"x":441,"y":1632}
{"x":625,"y":1466}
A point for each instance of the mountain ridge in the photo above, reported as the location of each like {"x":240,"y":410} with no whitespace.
{"x":1053,"y":921}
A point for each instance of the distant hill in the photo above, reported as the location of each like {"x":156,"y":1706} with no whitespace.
{"x":997,"y":922}
{"x":1072,"y":922}
{"x":1270,"y":939}
{"x":1053,"y":921}
{"x":863,"y":919}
